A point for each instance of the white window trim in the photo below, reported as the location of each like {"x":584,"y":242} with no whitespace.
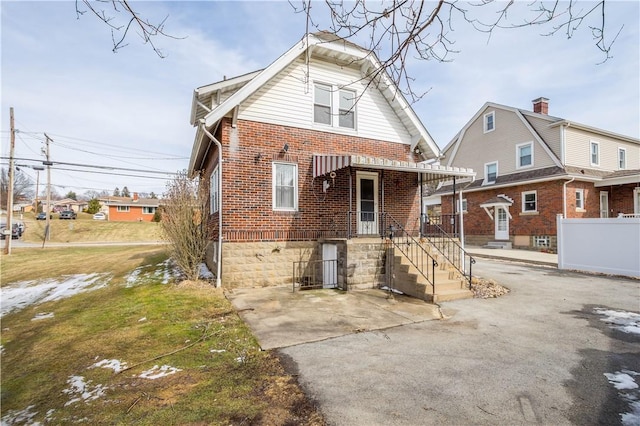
{"x":636,"y":200}
{"x":214,"y":196}
{"x":624,"y":166}
{"x":295,"y":187}
{"x":581,"y":192}
{"x":464,"y":205}
{"x":485,"y":181}
{"x":591,"y":145}
{"x":334,"y":111}
{"x":520,"y":145}
{"x":484,"y":121}
{"x":524,"y":194}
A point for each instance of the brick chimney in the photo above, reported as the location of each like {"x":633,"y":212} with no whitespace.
{"x":135,"y":196}
{"x":541,"y":105}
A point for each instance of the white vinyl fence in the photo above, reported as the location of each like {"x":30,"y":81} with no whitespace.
{"x":610,"y":246}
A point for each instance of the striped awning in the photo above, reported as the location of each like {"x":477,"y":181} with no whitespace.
{"x":323,"y":164}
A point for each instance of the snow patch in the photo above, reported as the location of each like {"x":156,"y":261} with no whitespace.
{"x":205,"y":273}
{"x":19,"y":295}
{"x":627,"y":322}
{"x":156,"y":372}
{"x":113,"y":364}
{"x":42,"y":315}
{"x":15,"y":417}
{"x":163,"y":272}
{"x":143,"y":319}
{"x":217,"y":351}
{"x":80,"y":390}
{"x":624,"y":381}
{"x":393,"y":290}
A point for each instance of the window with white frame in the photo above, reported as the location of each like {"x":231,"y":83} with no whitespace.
{"x":322,"y":103}
{"x":490,"y":173}
{"x":123,"y":208}
{"x":148,"y":210}
{"x":595,"y":154}
{"x":489,"y":122}
{"x":622,"y":158}
{"x":579,"y":199}
{"x":529,"y":201}
{"x":214,"y":187}
{"x":330,"y":102}
{"x":285,"y":186}
{"x":524,"y":154}
{"x":464,"y":205}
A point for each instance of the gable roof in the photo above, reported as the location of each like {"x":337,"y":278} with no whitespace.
{"x":129,"y":201}
{"x":325,"y":44}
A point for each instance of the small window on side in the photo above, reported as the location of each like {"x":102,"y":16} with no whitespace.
{"x":489,"y":122}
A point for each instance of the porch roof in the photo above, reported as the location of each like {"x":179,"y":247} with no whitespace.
{"x":325,"y":163}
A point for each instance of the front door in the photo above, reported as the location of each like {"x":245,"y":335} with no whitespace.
{"x":502,"y":224}
{"x":604,"y":204}
{"x":367,"y":190}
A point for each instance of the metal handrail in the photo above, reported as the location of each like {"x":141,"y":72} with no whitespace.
{"x":452,"y":251}
{"x":411,"y":248}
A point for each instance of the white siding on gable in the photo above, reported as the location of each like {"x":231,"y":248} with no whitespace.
{"x":578,"y":147}
{"x":551,"y":135}
{"x":478,"y":148}
{"x":288,"y":100}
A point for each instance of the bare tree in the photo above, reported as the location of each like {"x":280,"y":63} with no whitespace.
{"x":121,"y":18}
{"x":399,"y":31}
{"x":22,"y":187}
{"x":184,"y":217}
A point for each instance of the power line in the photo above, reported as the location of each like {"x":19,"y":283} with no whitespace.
{"x":64,"y":163}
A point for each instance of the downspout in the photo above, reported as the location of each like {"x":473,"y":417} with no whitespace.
{"x":564,"y":196}
{"x":219,"y":251}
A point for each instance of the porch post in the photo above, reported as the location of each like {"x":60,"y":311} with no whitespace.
{"x":453,"y":207}
{"x":421,"y":204}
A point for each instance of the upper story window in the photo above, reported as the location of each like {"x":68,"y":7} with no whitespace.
{"x":214,"y":186}
{"x":524,"y":155}
{"x":595,"y":154}
{"x":322,"y":104}
{"x":529,"y":201}
{"x":285,"y":186}
{"x":330,"y":102}
{"x":490,"y":173}
{"x":622,"y":158}
{"x":490,"y":122}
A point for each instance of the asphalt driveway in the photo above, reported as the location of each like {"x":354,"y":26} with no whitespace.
{"x":547,"y":353}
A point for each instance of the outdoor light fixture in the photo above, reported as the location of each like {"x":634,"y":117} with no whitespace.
{"x":257,"y":157}
{"x":285,"y":148}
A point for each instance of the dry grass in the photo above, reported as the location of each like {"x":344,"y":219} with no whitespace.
{"x":85,"y":229}
{"x":225,"y":378}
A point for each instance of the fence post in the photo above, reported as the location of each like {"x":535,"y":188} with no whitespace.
{"x":559,"y":240}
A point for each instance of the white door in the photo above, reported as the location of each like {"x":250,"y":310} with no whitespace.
{"x":604,"y":204}
{"x":367,"y":198}
{"x":502,"y":224}
{"x":329,"y":265}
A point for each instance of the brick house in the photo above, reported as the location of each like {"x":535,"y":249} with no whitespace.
{"x":310,"y":159}
{"x":129,"y":209}
{"x":531,"y":167}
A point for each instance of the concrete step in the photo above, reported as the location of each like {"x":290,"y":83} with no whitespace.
{"x":448,"y":295}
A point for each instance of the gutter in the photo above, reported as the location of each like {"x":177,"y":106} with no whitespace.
{"x":219,"y":251}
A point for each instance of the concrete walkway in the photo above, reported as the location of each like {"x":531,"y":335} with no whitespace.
{"x":515,"y":255}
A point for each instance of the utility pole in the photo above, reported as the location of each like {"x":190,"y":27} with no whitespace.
{"x":47,"y":231}
{"x":9,"y":228}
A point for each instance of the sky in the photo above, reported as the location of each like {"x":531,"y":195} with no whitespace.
{"x":131,"y":109}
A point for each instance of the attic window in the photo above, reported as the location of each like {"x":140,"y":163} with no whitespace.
{"x":329,"y":102}
{"x":489,"y":122}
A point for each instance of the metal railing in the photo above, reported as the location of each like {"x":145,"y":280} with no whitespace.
{"x":451,"y":250}
{"x":310,"y":274}
{"x":434,"y":224}
{"x":411,"y":248}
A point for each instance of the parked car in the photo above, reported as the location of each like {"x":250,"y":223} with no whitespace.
{"x":43,"y":216}
{"x":99,"y":216}
{"x":68,"y":214}
{"x":16,"y":231}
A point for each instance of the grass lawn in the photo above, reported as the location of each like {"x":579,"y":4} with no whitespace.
{"x":85,"y":229}
{"x":54,"y":353}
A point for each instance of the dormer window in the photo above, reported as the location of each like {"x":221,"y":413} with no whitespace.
{"x":524,"y":155}
{"x":334,"y":107}
{"x":489,"y":122}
